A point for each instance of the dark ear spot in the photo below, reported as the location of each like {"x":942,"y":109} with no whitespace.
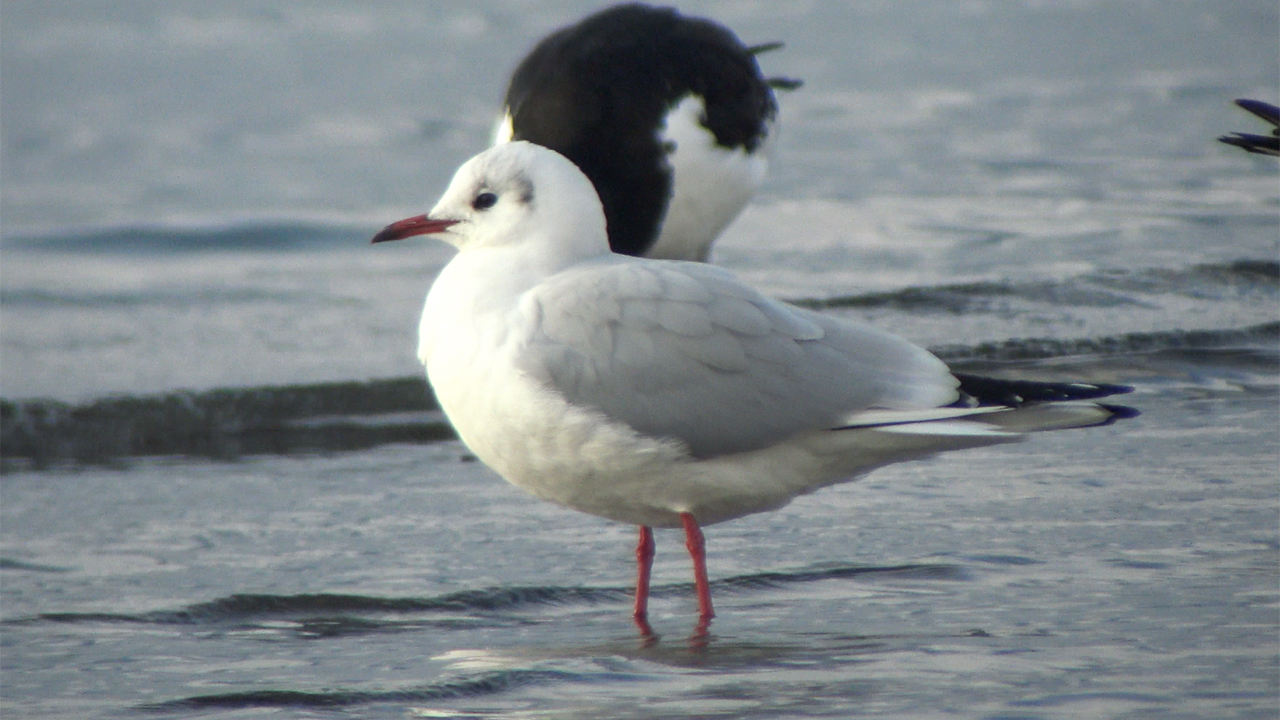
{"x":525,"y":188}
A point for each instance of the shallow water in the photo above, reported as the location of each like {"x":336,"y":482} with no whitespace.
{"x":1096,"y":573}
{"x":226,"y":491}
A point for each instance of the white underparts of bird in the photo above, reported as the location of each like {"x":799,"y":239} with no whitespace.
{"x":664,"y":393}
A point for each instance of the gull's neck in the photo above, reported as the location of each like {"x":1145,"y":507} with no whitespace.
{"x":485,"y":284}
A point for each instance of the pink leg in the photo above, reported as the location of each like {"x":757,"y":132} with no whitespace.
{"x":644,"y":564}
{"x":698,"y":551}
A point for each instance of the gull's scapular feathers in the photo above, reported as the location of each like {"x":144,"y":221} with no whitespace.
{"x":640,"y":390}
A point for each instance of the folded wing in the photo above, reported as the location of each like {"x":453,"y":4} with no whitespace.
{"x":684,"y":351}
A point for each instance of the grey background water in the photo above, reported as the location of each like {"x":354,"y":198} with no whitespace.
{"x":1030,"y":188}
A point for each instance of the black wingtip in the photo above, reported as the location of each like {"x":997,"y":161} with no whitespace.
{"x":1119,"y":412}
{"x":1260,"y":144}
{"x":777,"y":83}
{"x":981,"y":391}
{"x":1105,"y":389}
{"x":1266,"y":111}
{"x":783,"y":83}
{"x":764,"y":48}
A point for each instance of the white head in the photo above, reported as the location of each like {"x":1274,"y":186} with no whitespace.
{"x":512,"y":194}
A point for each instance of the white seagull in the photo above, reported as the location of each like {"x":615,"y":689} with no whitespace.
{"x":665,"y":393}
{"x":668,"y":115}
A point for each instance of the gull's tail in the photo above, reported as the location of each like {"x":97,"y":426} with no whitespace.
{"x":990,"y":412}
{"x":1015,"y":406}
{"x":994,"y":412}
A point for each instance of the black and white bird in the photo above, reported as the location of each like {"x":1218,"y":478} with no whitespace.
{"x":664,"y":393}
{"x":671,"y":119}
{"x":1260,"y":144}
{"x":668,"y":115}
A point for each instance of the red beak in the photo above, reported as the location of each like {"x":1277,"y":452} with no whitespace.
{"x":420,"y":225}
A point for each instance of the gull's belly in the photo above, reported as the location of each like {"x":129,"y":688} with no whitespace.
{"x":568,"y":455}
{"x":580,"y":458}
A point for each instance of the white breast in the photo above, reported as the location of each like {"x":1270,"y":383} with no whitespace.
{"x":710,"y":183}
{"x":525,"y":431}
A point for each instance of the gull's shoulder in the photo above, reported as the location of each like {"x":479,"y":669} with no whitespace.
{"x":688,"y":298}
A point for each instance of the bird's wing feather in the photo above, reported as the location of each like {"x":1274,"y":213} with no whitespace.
{"x":684,"y":351}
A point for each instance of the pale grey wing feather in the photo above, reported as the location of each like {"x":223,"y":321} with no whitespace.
{"x":684,"y":351}
{"x":908,"y":377}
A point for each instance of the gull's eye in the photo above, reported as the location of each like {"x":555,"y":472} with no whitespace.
{"x":484,"y":201}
